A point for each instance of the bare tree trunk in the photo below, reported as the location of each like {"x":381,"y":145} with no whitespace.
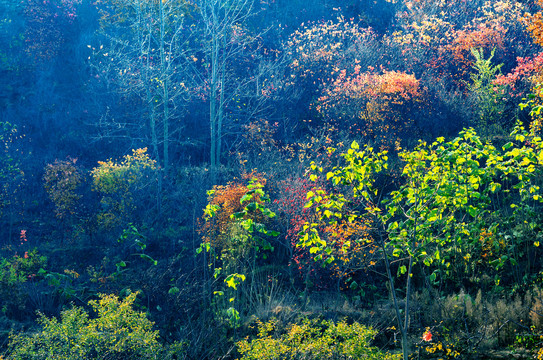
{"x":220,"y":18}
{"x":213,"y":104}
{"x":165,"y":86}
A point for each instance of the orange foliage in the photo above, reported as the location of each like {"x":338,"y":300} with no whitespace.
{"x":439,"y":35}
{"x":481,"y":36}
{"x":353,"y":246}
{"x":226,"y":200}
{"x":374,"y":105}
{"x":534,"y":24}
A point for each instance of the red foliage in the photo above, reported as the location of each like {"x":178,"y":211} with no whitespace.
{"x":427,"y":336}
{"x":527,"y":72}
{"x":292,"y":205}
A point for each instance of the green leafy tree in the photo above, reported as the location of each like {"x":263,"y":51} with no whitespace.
{"x":447,"y":214}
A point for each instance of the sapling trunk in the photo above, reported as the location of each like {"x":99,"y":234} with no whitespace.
{"x":403,"y":330}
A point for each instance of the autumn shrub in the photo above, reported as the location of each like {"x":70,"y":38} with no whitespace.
{"x":116,"y":331}
{"x":318,"y":52}
{"x":237,"y":241}
{"x":61,"y":181}
{"x":438,"y":36}
{"x":323,"y":49}
{"x":312,"y":340}
{"x":379,"y":106}
{"x":534,"y":24}
{"x":220,"y":228}
{"x":351,"y":244}
{"x":123,"y":185}
{"x":259,"y":146}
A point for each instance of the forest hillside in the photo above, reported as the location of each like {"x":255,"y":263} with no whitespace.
{"x":271,"y":179}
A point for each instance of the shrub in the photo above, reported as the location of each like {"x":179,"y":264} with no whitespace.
{"x":14,"y":272}
{"x":118,"y":332}
{"x":123,"y":185}
{"x":312,"y":339}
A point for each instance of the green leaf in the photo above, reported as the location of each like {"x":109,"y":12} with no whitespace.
{"x":392,"y":226}
{"x":140,"y":244}
{"x":248,"y":225}
{"x":402,"y":270}
{"x":495,"y":187}
{"x":245,"y":198}
{"x":233,"y":280}
{"x":433,"y":216}
{"x":174,"y":290}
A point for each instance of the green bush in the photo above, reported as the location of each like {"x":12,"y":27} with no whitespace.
{"x":118,"y":332}
{"x":312,"y":340}
{"x":14,"y":272}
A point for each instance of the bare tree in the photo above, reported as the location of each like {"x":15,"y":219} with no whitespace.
{"x":225,"y":42}
{"x":143,"y":54}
